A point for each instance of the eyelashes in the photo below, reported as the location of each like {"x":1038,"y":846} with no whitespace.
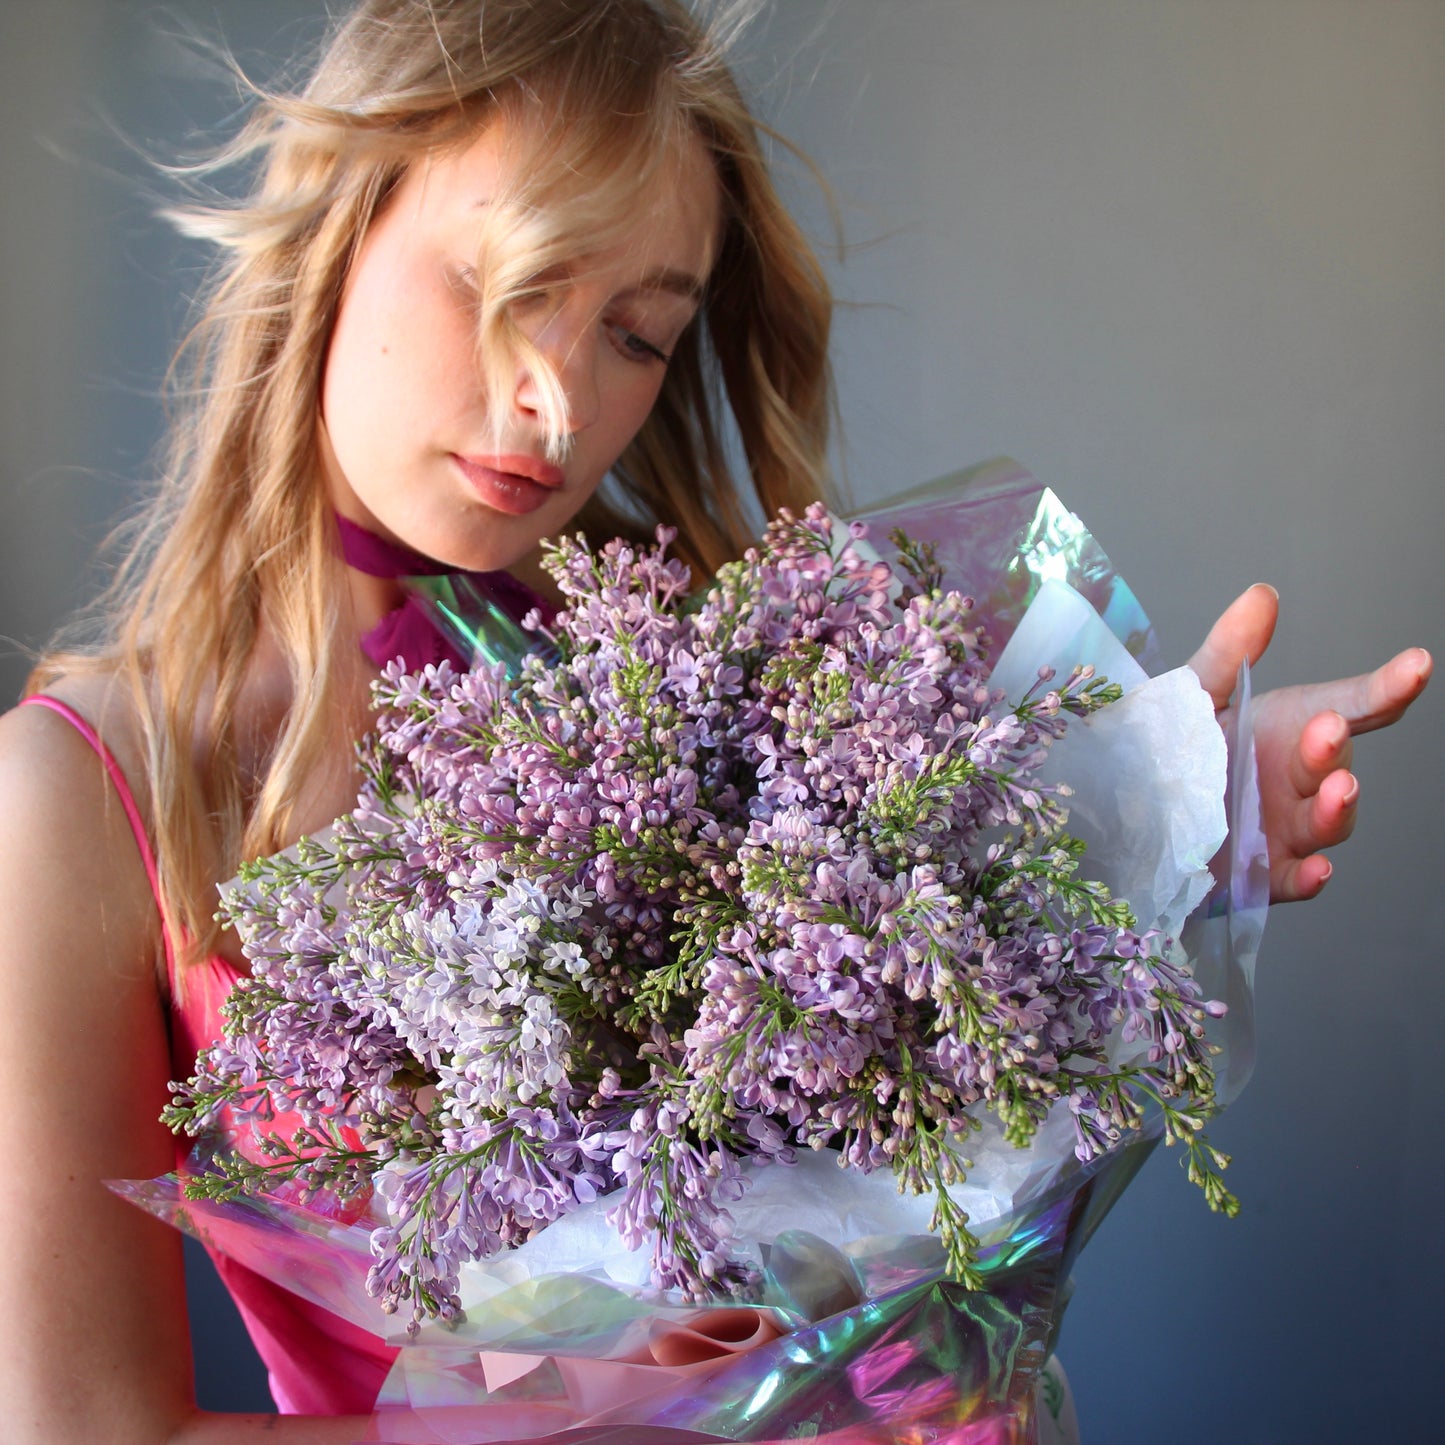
{"x":637,"y":348}
{"x":629,"y":343}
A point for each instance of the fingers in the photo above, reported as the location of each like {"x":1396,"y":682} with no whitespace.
{"x":1300,"y":879}
{"x":1316,"y":808}
{"x":1390,"y":689}
{"x":1324,"y":746}
{"x":1332,"y":811}
{"x":1243,"y":631}
{"x":1373,"y":699}
{"x":1322,"y":819}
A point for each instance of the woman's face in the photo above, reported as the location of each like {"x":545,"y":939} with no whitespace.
{"x":411,"y":448}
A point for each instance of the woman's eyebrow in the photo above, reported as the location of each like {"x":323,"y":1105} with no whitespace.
{"x":670,"y":279}
{"x":661,"y":278}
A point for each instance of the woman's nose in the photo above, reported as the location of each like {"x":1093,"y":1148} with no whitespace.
{"x":566,"y":337}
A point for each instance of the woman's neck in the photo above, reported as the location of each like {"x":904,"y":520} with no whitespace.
{"x":368,"y":600}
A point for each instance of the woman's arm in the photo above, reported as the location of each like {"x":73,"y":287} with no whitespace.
{"x":94,"y":1343}
{"x":1304,"y":739}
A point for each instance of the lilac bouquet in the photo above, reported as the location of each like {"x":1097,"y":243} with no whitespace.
{"x":729,"y":876}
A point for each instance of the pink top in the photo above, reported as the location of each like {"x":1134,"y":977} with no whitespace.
{"x":318,"y":1363}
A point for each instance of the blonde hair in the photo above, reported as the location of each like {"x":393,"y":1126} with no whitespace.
{"x":241,"y":529}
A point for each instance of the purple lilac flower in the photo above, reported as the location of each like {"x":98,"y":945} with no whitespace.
{"x":736,"y":874}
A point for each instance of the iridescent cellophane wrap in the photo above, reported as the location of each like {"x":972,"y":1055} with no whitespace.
{"x":876,"y":1344}
{"x":462,"y":608}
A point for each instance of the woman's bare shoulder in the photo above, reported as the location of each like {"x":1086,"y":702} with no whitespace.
{"x":68,"y":851}
{"x":102,"y":699}
{"x":87,"y":1065}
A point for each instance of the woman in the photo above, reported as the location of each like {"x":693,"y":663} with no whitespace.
{"x":498,"y":250}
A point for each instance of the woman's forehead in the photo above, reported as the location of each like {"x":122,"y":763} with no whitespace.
{"x":666,"y":214}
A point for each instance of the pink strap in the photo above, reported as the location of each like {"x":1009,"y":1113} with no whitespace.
{"x":127,"y":799}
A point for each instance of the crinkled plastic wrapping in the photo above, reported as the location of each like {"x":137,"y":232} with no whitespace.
{"x":858,"y":1336}
{"x":1000,"y":535}
{"x":916,"y":1358}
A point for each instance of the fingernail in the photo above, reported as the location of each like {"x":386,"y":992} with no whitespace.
{"x":1269,"y":588}
{"x":1352,"y":792}
{"x":1328,"y":873}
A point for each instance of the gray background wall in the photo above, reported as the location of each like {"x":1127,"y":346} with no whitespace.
{"x":1186,"y":260}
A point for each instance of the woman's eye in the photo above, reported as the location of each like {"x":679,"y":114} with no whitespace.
{"x":635,"y":347}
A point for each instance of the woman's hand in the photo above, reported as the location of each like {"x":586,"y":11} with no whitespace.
{"x":1303,"y":739}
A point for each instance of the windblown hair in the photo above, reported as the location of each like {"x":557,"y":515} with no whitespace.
{"x":241,"y":532}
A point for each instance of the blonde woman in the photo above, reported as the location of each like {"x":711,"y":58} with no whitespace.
{"x":499,"y":251}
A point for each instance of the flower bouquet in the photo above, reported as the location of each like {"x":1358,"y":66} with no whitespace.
{"x":828,"y":897}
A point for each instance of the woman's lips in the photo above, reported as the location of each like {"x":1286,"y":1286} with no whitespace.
{"x":512,"y":484}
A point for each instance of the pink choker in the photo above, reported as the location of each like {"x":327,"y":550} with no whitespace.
{"x":420,"y":631}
